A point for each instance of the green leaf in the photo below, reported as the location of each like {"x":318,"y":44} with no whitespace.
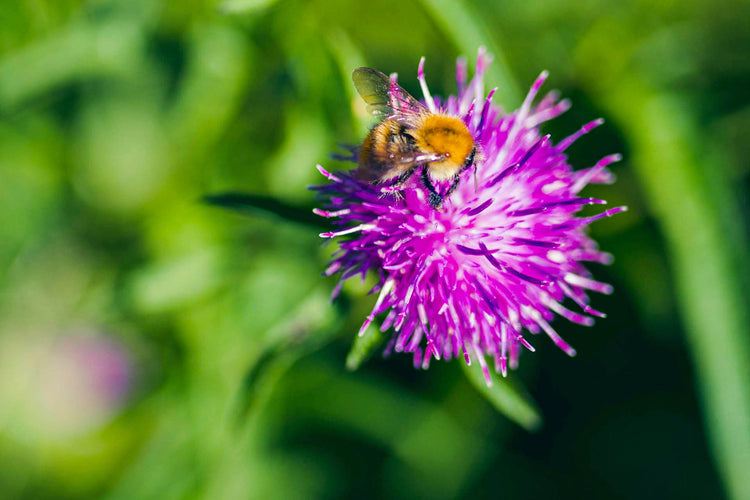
{"x":303,"y":330}
{"x":256,"y":204}
{"x":506,"y":397}
{"x":363,"y":347}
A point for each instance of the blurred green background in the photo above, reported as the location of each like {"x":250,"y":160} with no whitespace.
{"x":152,"y":346}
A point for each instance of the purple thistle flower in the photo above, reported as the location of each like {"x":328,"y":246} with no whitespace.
{"x":499,"y":257}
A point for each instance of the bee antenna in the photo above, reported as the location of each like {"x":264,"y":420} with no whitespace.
{"x":476,"y":186}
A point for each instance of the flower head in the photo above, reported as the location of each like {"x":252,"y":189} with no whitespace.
{"x":502,"y":254}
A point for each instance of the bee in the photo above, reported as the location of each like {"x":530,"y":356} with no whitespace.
{"x":409,"y":139}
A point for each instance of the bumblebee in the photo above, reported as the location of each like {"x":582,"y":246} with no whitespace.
{"x":409,"y":139}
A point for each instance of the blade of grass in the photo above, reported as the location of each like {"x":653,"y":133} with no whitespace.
{"x":690,"y":194}
{"x":707,"y":275}
{"x":363,"y":347}
{"x":255,"y":204}
{"x":507,"y":399}
{"x":458,"y":21}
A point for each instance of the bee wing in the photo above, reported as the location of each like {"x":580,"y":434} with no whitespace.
{"x":401,"y":161}
{"x":384,"y":97}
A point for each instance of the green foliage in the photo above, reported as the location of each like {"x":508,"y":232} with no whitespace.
{"x":152,"y":346}
{"x":506,"y":398}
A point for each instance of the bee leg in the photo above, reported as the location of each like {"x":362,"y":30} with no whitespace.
{"x":404,"y":177}
{"x":436,"y":201}
{"x":395,"y":186}
{"x":470,"y":161}
{"x":454,"y":185}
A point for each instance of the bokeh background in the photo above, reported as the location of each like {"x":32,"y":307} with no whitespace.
{"x":154,"y":346}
